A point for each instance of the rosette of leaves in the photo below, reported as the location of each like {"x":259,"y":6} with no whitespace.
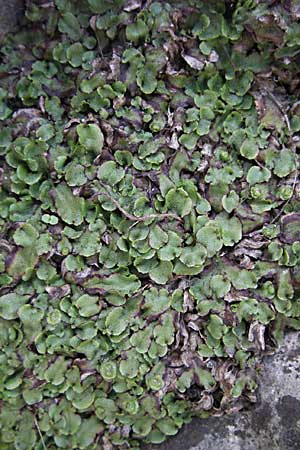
{"x":149,"y":215}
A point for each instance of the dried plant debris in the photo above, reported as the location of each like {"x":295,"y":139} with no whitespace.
{"x":150,"y":214}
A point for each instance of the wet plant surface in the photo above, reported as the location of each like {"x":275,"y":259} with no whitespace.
{"x":150,"y":215}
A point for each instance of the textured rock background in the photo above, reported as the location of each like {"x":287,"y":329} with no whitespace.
{"x":10,"y":12}
{"x":274,"y":423}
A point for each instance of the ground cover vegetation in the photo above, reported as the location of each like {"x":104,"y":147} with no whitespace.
{"x":150,"y":214}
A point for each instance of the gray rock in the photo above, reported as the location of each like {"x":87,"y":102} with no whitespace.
{"x":10,"y":12}
{"x":272,"y":424}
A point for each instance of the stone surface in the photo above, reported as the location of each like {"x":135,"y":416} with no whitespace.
{"x":10,"y":12}
{"x":272,"y":424}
